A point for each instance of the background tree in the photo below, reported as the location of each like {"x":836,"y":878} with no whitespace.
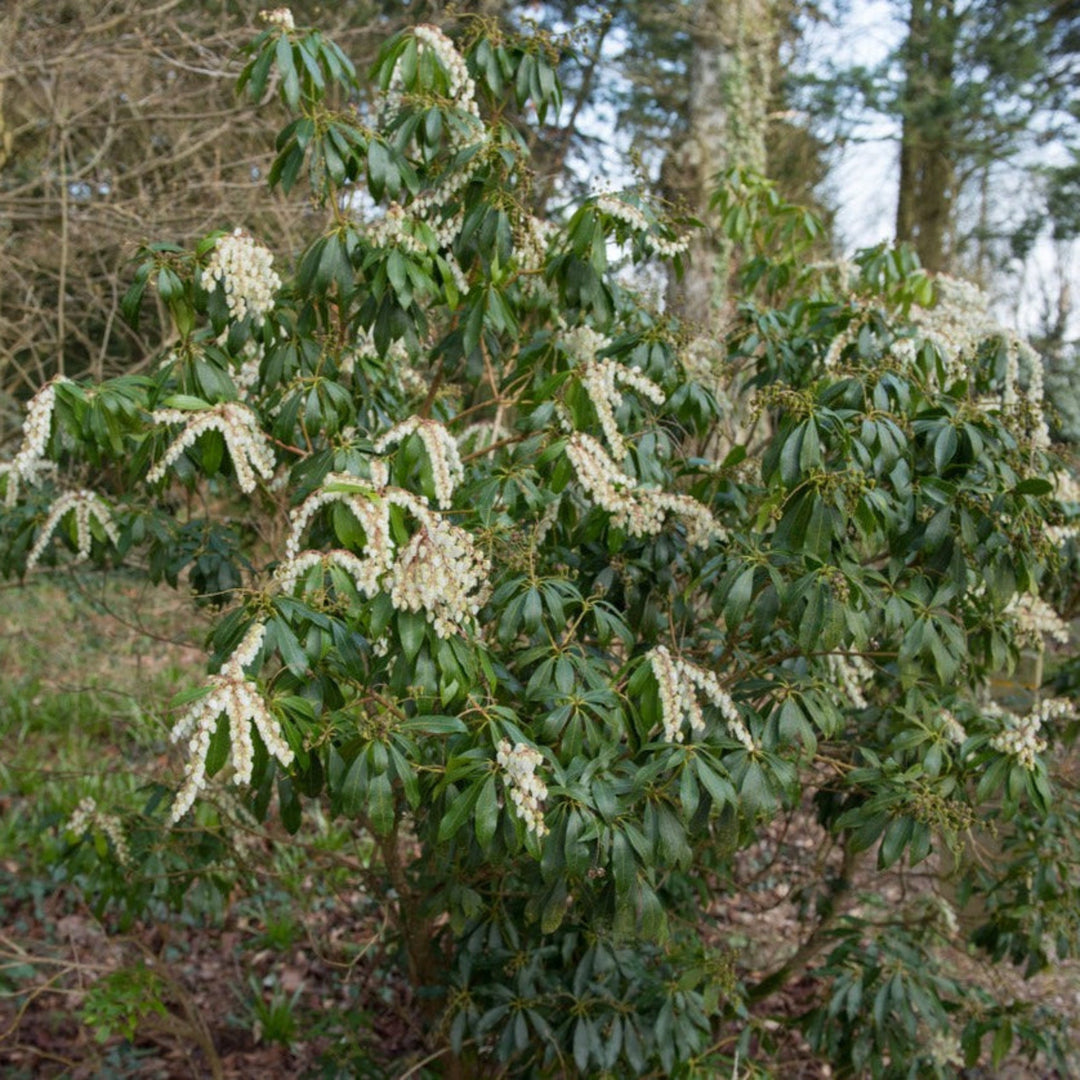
{"x":978,"y":91}
{"x":118,"y":122}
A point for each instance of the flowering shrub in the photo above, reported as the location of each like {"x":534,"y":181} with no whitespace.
{"x":503,"y":582}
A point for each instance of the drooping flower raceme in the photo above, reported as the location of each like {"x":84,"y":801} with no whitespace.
{"x":365,"y":573}
{"x":1020,"y":735}
{"x":527,"y":791}
{"x":30,"y":461}
{"x":641,"y":511}
{"x":438,"y":207}
{"x":601,"y":379}
{"x":440,"y":571}
{"x":245,"y":271}
{"x":462,"y":87}
{"x":369,"y":502}
{"x":953,"y":730}
{"x":678,"y":681}
{"x":634,"y":218}
{"x":233,"y":694}
{"x":957,"y":325}
{"x":1035,"y":618}
{"x":1067,"y":495}
{"x":852,"y":674}
{"x":248,"y":447}
{"x":442,"y":451}
{"x":84,"y":505}
{"x":88,"y":816}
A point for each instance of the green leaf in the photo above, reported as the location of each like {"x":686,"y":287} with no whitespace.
{"x":897,"y":836}
{"x":381,"y":804}
{"x":945,"y":448}
{"x":381,"y":174}
{"x":289,"y":805}
{"x":290,"y":77}
{"x":1033,"y":485}
{"x":461,"y":806}
{"x":218,"y":752}
{"x":554,"y":910}
{"x":434,"y":725}
{"x":281,"y":637}
{"x":353,"y":788}
{"x":412,"y":630}
{"x":186,"y":402}
{"x":487,"y":813}
{"x":738,"y":599}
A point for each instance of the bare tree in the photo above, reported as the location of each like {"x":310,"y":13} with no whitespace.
{"x":119,"y":123}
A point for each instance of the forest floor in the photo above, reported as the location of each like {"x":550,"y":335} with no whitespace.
{"x":283,"y":968}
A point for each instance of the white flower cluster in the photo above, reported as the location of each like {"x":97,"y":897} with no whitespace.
{"x":953,"y":729}
{"x":462,"y":87}
{"x":702,"y":360}
{"x":1020,"y":735}
{"x":363,"y":348}
{"x":1035,"y":618}
{"x":442,"y":451}
{"x":84,"y":505}
{"x":943,"y":1049}
{"x":367,"y":502}
{"x":677,"y":681}
{"x":245,"y":270}
{"x":247,"y":445}
{"x":440,"y":571}
{"x":235,"y":695}
{"x":527,"y":791}
{"x":365,"y":573}
{"x":846,"y":336}
{"x":532,"y":242}
{"x":247,"y":376}
{"x":1066,"y":494}
{"x":1066,"y":488}
{"x":281,"y":16}
{"x":30,"y":462}
{"x":633,"y":217}
{"x":88,"y":816}
{"x":1013,"y":398}
{"x":583,"y":343}
{"x":641,"y":511}
{"x":957,"y":323}
{"x":395,"y":230}
{"x":436,"y":208}
{"x":853,"y":674}
{"x":601,"y":379}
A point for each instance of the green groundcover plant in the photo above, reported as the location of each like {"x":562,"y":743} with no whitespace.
{"x":569,"y":607}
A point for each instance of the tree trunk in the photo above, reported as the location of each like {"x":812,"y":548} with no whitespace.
{"x":730,"y":77}
{"x":927,"y":195}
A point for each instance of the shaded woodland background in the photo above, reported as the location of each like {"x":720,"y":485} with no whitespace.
{"x":119,"y":123}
